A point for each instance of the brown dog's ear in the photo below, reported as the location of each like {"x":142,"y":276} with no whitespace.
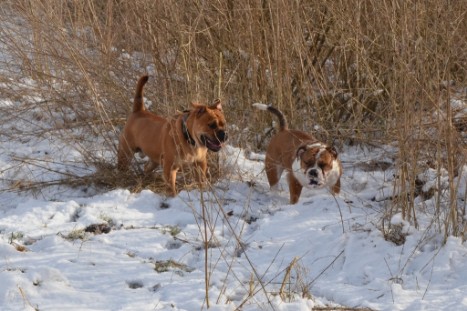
{"x":199,"y":109}
{"x":216,"y":104}
{"x":195,"y":105}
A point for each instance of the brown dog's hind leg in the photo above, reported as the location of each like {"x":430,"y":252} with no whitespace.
{"x":150,"y":166}
{"x":124,"y":155}
{"x":295,"y":188}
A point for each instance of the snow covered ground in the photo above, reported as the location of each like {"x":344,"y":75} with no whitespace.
{"x":117,"y":250}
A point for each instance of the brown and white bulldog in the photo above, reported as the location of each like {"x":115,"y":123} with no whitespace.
{"x":173,"y":142}
{"x":309,"y":163}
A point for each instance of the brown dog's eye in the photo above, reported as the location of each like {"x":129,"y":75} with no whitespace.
{"x":213,"y":125}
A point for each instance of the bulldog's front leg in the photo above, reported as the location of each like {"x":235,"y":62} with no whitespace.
{"x":337,"y":187}
{"x":295,"y":189}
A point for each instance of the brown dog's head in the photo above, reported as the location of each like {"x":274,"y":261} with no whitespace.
{"x":208,"y":126}
{"x":316,"y":165}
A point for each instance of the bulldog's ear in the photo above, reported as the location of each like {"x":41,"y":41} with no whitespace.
{"x":301,"y":150}
{"x":216,"y":104}
{"x":332,"y":151}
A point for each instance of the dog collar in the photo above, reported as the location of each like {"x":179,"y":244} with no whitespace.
{"x":185,"y":132}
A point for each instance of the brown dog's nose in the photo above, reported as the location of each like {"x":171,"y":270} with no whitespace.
{"x":221,"y":135}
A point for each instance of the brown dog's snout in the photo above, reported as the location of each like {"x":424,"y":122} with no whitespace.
{"x":221,"y":135}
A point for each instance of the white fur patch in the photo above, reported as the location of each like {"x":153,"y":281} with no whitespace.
{"x":333,"y":175}
{"x":299,"y":174}
{"x":316,"y":145}
{"x":260,"y":106}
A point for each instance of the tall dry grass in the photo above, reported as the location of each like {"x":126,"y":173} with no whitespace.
{"x":365,"y":71}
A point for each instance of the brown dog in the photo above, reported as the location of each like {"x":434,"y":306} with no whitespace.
{"x":173,"y":142}
{"x":309,"y":163}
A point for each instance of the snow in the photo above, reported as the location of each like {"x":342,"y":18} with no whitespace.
{"x":153,"y":257}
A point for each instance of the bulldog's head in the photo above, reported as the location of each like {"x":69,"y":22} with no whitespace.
{"x":316,"y":166}
{"x":209,"y":126}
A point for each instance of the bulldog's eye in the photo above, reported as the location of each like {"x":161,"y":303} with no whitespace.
{"x":213,"y":125}
{"x":323,"y":166}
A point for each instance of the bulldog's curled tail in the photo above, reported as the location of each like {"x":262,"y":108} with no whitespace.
{"x":282,"y":121}
{"x":138,"y":103}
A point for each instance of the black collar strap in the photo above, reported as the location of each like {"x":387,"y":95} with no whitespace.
{"x":185,"y":132}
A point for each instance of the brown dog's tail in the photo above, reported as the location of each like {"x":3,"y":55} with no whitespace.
{"x":138,"y":103}
{"x":282,"y":121}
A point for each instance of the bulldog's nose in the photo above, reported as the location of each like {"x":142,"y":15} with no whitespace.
{"x":313,"y":173}
{"x":221,"y":135}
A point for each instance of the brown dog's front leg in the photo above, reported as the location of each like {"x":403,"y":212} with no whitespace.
{"x":201,"y":168}
{"x":170,"y":176}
